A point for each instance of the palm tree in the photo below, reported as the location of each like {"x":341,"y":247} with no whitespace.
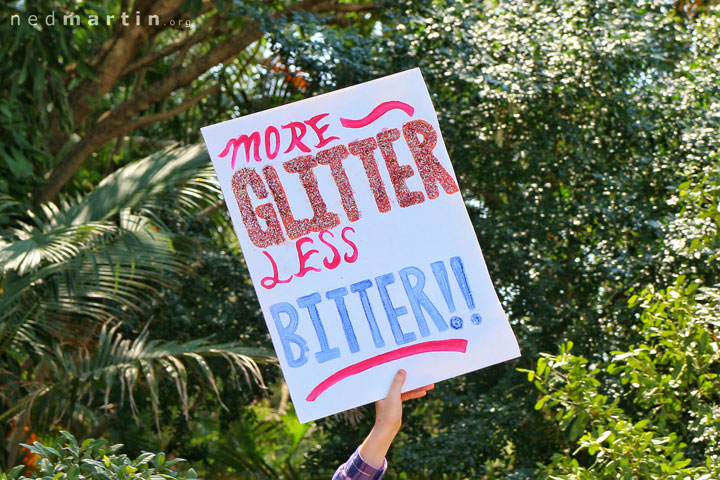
{"x":74,"y":279}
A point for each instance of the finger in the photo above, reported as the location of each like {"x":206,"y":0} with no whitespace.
{"x":417,"y":393}
{"x":426,"y":388}
{"x":397,"y":383}
{"x":413,"y":395}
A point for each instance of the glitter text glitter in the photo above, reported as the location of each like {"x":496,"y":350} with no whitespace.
{"x":421,"y":139}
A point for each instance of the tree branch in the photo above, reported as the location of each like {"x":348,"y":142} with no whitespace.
{"x":354,"y":7}
{"x":148,"y":59}
{"x":109,"y":65}
{"x":117,"y":121}
{"x":107,"y":128}
{"x":164,"y":115}
{"x":111,"y":123}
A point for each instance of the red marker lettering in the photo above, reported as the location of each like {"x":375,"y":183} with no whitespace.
{"x":253,"y":141}
{"x":303,"y":257}
{"x":332,"y":264}
{"x":320,"y":131}
{"x":268,"y":132}
{"x":270,"y":282}
{"x":297,"y":129}
{"x":354,"y":256}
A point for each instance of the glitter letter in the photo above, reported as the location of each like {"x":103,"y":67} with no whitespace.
{"x":319,"y":131}
{"x":273,"y":235}
{"x":303,"y":166}
{"x":364,"y":149}
{"x":398,"y":173}
{"x":428,"y":165}
{"x":298,"y":130}
{"x":294,"y":228}
{"x":334,"y":157}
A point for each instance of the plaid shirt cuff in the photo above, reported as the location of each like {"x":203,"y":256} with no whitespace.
{"x":357,"y":469}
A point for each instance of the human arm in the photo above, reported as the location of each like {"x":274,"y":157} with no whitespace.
{"x":388,"y":420}
{"x":368,"y":461}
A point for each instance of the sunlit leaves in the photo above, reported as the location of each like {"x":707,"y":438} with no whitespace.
{"x":575,"y":127}
{"x":647,"y":411}
{"x":69,"y":459}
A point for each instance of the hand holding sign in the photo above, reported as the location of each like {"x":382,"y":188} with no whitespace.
{"x":388,"y":419}
{"x":358,"y":242}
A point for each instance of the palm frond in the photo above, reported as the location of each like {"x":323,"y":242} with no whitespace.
{"x":72,"y":273}
{"x":111,"y":277}
{"x":143,"y":185}
{"x":9,"y":208}
{"x":114,"y":360}
{"x":104,"y":255}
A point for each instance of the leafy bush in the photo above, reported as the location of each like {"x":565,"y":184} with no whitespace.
{"x":652,"y":409}
{"x":94,"y":459}
{"x":648,"y":412}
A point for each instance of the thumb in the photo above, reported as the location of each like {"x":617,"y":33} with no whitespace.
{"x":397,"y":383}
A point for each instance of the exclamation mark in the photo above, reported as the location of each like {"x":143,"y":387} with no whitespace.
{"x":441,"y":277}
{"x":459,"y":270}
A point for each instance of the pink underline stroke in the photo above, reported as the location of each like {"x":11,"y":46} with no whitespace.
{"x":378,"y":112}
{"x":453,"y":345}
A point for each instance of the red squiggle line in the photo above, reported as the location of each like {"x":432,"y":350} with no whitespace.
{"x":378,"y":112}
{"x":453,"y":345}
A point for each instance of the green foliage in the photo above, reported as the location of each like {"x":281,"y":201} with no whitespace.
{"x":112,"y":237}
{"x":122,"y":298}
{"x":584,"y":137}
{"x":67,"y":459}
{"x":33,"y":67}
{"x":77,"y":281}
{"x":650,"y":411}
{"x":267,"y":445}
{"x":574,"y":127}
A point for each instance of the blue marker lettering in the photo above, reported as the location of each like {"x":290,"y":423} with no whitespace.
{"x":393,"y":313}
{"x":459,"y":270}
{"x":338,"y":295}
{"x":360,"y":288}
{"x":287,"y":334}
{"x":419,"y":300}
{"x":441,"y":277}
{"x":326,"y":353}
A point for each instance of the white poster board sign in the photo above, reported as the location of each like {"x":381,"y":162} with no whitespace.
{"x":359,"y":244}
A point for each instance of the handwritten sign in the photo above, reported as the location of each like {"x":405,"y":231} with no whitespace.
{"x":359,"y":244}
